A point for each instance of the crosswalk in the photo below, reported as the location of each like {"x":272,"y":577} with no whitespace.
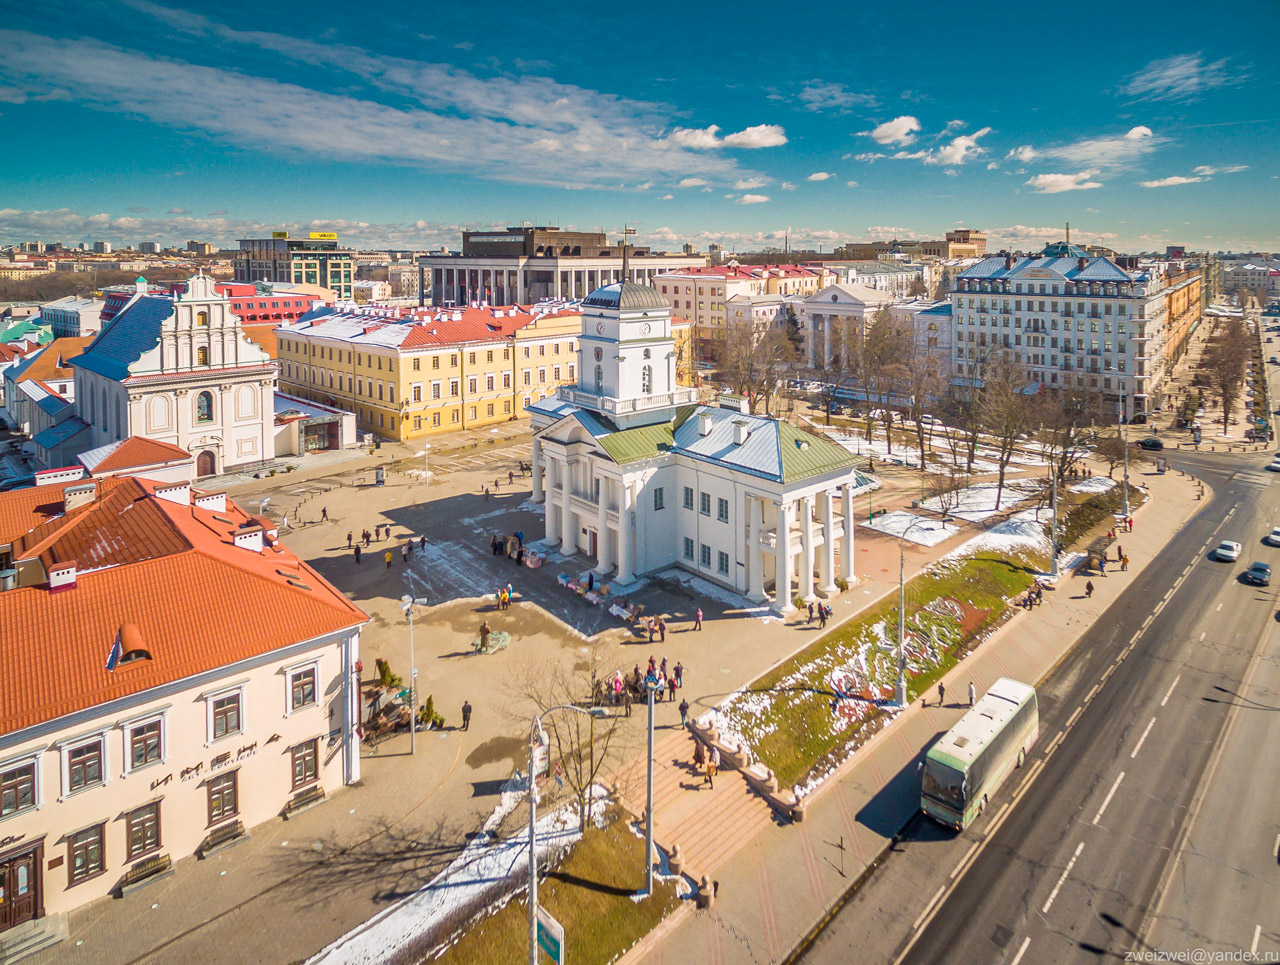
{"x":507,"y":458}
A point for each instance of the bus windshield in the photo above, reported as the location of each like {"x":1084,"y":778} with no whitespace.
{"x":943,"y":783}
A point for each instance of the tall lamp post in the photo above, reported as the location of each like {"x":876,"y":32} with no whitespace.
{"x":407,"y":603}
{"x":537,"y":737}
{"x":1123,"y":432}
{"x":900,"y":691}
{"x":650,"y":687}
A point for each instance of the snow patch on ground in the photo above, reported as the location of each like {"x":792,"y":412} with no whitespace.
{"x":922,"y":529}
{"x":978,"y":502}
{"x":1094,"y":484}
{"x":1020,"y":533}
{"x":706,"y":589}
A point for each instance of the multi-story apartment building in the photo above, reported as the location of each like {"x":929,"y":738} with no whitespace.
{"x":887,"y":276}
{"x":1251,"y":277}
{"x":702,"y":294}
{"x":73,"y":316}
{"x":200,"y":248}
{"x":408,"y":374}
{"x":206,"y":682}
{"x":526,"y":264}
{"x":148,"y":247}
{"x":969,"y":236}
{"x":314,"y":260}
{"x":1072,"y":321}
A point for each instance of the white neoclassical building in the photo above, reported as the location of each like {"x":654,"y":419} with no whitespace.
{"x":180,"y":369}
{"x":638,"y":476}
{"x":830,"y":317}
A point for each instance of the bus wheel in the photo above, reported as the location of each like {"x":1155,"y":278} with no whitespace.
{"x":982,"y":805}
{"x":1022,"y":755}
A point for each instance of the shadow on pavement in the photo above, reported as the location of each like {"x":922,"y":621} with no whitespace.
{"x":895,"y":803}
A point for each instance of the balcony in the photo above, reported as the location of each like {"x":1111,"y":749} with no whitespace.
{"x":612,"y":406}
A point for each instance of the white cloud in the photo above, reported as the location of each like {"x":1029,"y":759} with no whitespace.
{"x":851,"y":184}
{"x":901,"y":130}
{"x":761,"y":135}
{"x":1182,"y":77}
{"x":752,"y":199}
{"x":667,"y":197}
{"x":1024,"y":153}
{"x":870,"y":157}
{"x":1208,"y":169}
{"x":1057,"y":183}
{"x":698,"y":139}
{"x":1014,"y":236}
{"x":1106,"y":154}
{"x":820,"y":176}
{"x":1170,"y":182}
{"x":817,"y":95}
{"x":691,"y":183}
{"x":882,"y":232}
{"x":787,"y":186}
{"x":993,"y":165}
{"x":178,"y":211}
{"x":958,"y":151}
{"x":747,"y":184}
{"x":952,"y":126}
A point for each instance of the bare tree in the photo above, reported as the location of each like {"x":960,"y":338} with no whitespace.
{"x":832,"y":369}
{"x":1110,"y":448}
{"x":923,"y":384}
{"x":878,"y":357}
{"x":917,"y":287}
{"x":1004,"y":410}
{"x":944,"y":490}
{"x":1068,"y":419}
{"x":1225,"y":360}
{"x":754,"y":360}
{"x":581,"y":745}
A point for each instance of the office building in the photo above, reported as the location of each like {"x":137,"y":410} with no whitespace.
{"x":314,"y":260}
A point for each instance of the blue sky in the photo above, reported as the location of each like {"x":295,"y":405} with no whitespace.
{"x":1142,"y":126}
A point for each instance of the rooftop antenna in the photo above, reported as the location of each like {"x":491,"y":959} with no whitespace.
{"x":1068,"y":232}
{"x":625,"y":231}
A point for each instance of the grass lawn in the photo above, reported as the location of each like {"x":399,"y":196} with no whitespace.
{"x":1082,"y":512}
{"x":589,"y":894}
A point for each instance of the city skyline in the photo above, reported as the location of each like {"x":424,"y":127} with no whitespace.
{"x":142,"y":122}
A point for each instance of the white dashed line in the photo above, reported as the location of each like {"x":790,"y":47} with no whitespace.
{"x":963,"y":861}
{"x":928,"y":908}
{"x":1071,"y":721}
{"x":1142,"y":738}
{"x":1088,"y":698}
{"x":1066,"y":871}
{"x":1107,"y":799}
{"x":1022,"y":950}
{"x":1170,"y":693}
{"x":1278,"y":845}
{"x":1217,"y":608}
{"x":1257,"y":932}
{"x":1203,"y":635}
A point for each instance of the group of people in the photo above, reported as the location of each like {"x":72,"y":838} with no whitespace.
{"x":1034,"y":596}
{"x":824,"y":613}
{"x":709,"y":764}
{"x":381,"y":531}
{"x":504,"y":597}
{"x":511,"y":546}
{"x":661,"y":680}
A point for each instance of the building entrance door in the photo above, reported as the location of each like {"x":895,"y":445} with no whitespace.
{"x":206,"y":464}
{"x":594,"y":549}
{"x":19,"y":889}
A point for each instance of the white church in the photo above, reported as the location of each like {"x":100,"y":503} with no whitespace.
{"x":640,"y":477}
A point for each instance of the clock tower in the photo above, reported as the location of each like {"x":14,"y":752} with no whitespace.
{"x":626,"y":350}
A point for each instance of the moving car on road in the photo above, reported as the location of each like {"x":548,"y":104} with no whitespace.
{"x":1228,"y":551}
{"x":1152,"y":443}
{"x":1273,"y":537}
{"x":969,"y":762}
{"x":1274,"y":466}
{"x":1259,"y":574}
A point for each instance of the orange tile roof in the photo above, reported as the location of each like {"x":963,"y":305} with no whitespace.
{"x":195,"y":600}
{"x":263,"y":336}
{"x":22,"y":510}
{"x":139,"y":451}
{"x":50,"y":362}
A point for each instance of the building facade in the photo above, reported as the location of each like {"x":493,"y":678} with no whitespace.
{"x":73,"y":316}
{"x":638,"y":477}
{"x":170,"y":728}
{"x":835,"y":316}
{"x":315,"y":260}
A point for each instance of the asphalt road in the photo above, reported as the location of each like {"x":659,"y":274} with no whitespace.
{"x":1067,"y":864}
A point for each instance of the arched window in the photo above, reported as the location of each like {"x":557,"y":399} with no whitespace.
{"x":202,"y":319}
{"x":646,"y":379}
{"x":599,"y":378}
{"x":204,"y":407}
{"x":646,"y":354}
{"x":202,"y":356}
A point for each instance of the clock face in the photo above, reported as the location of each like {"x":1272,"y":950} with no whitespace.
{"x":599,"y":328}
{"x":645,"y":329}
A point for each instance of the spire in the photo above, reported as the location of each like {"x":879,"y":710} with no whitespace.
{"x":625,"y":249}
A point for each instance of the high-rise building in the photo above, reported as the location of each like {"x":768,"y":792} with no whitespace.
{"x":969,"y":236}
{"x":314,"y":260}
{"x":200,"y":248}
{"x":102,"y":247}
{"x":149,"y":247}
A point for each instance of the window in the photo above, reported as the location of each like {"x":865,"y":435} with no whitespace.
{"x":472,"y":413}
{"x":489,"y":409}
{"x":143,"y":827}
{"x":306,"y":760}
{"x":542,"y":375}
{"x":506,"y":380}
{"x":417,"y":423}
{"x":224,"y":716}
{"x":599,"y":379}
{"x":471,"y":385}
{"x":146,"y":743}
{"x":453,"y":416}
{"x":86,"y":854}
{"x":417,"y":364}
{"x":302,"y":687}
{"x":706,"y":555}
{"x":722,"y":510}
{"x":722,"y":563}
{"x":555,"y":373}
{"x":688,"y":548}
{"x":471,"y":358}
{"x":542,"y":350}
{"x":84,"y":765}
{"x":488,"y":356}
{"x":435,"y":361}
{"x":202,"y":319}
{"x":18,"y":788}
{"x":506,"y":407}
{"x":435,"y":418}
{"x":417,"y":392}
{"x":704,"y":503}
{"x":204,"y":407}
{"x":224,"y":797}
{"x":688,"y":497}
{"x":488,"y":383}
{"x":454,"y":385}
{"x":658,"y":499}
{"x":646,"y":379}
{"x":571,"y":372}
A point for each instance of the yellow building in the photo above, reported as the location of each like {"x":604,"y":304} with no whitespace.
{"x":416,"y":373}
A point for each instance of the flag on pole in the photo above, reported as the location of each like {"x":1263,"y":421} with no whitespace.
{"x":117,"y":651}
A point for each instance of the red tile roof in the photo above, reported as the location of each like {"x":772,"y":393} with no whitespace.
{"x":49,"y":364}
{"x":22,"y":510}
{"x":139,"y":451}
{"x":172,"y":572}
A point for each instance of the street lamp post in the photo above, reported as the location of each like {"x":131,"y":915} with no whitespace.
{"x":1124,"y":444}
{"x":1053,"y":499}
{"x":900,"y":691}
{"x":537,"y":737}
{"x":650,"y":686}
{"x":407,"y":603}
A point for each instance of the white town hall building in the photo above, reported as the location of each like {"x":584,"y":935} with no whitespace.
{"x":640,"y":477}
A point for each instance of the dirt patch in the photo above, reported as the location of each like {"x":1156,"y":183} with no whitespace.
{"x":496,"y":749}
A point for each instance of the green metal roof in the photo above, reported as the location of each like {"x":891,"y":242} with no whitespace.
{"x":803,"y":455}
{"x":634,"y":445}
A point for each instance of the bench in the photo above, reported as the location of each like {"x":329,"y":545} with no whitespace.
{"x":304,"y":801}
{"x":221,"y":838}
{"x":144,"y":873}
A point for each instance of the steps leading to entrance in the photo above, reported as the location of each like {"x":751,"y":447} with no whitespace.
{"x":32,"y":936}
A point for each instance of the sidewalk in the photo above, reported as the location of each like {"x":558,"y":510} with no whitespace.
{"x":780,"y":883}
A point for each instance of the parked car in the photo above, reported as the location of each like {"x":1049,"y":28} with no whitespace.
{"x":1259,"y":574}
{"x":1228,"y":551}
{"x":1152,"y":443}
{"x":1273,"y":537}
{"x":1274,"y":465}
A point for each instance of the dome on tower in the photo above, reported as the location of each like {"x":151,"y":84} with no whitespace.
{"x":626,"y":296}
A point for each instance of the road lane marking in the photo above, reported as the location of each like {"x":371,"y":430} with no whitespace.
{"x":1185,"y":571}
{"x":967,"y":855}
{"x":1066,"y":871}
{"x":1151,"y":724}
{"x":1071,"y":721}
{"x":1159,"y":607}
{"x":1026,"y":781}
{"x":1170,"y":693}
{"x":1088,"y":698}
{"x":1257,"y":931}
{"x":928,"y":908}
{"x":1203,"y":635}
{"x":1107,"y":799}
{"x":1109,"y":671}
{"x":1053,"y":746}
{"x":1217,"y":608}
{"x":1022,"y":950}
{"x":1134,"y":639}
{"x":1278,"y":845}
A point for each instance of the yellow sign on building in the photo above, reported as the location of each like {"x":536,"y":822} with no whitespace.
{"x":279,"y":234}
{"x":323,"y":236}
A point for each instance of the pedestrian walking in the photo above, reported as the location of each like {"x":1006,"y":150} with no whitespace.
{"x":699,"y":754}
{"x":466,"y":714}
{"x":348,"y":539}
{"x":1124,"y":564}
{"x":484,"y":635}
{"x":942,"y":693}
{"x":324,"y":514}
{"x":1119,"y":552}
{"x":626,"y":700}
{"x":671,"y":688}
{"x":486,"y":494}
{"x":357,"y":556}
{"x":697,"y":619}
{"x":284,"y":524}
{"x":678,"y":672}
{"x":713,"y":766}
{"x":1130,"y":523}
{"x":404,"y":554}
{"x":811,"y":611}
{"x":650,"y":622}
{"x":973,"y":693}
{"x":511,"y":477}
{"x":387,"y":557}
{"x":823,"y":613}
{"x":662,"y":667}
{"x":1102,"y":566}
{"x":409,"y":545}
{"x":422,"y":544}
{"x":662,"y":635}
{"x":684,"y":714}
{"x":520,"y":556}
{"x":1088,"y":589}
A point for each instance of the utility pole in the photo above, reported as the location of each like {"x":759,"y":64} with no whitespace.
{"x":1124,"y":442}
{"x":648,"y":806}
{"x":1053,"y":539}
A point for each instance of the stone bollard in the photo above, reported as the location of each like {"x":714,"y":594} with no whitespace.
{"x":706,"y":894}
{"x":771,"y":781}
{"x":675,"y":860}
{"x":798,"y":812}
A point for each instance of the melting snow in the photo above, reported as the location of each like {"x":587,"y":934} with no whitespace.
{"x":923,"y":530}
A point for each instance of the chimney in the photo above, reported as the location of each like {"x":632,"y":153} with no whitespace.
{"x":214,"y":501}
{"x":179,"y":493}
{"x":249,"y":538}
{"x":1008,"y":262}
{"x":1080,"y":263}
{"x":704,"y":424}
{"x":62,"y":576}
{"x":740,"y":431}
{"x":73,"y":497}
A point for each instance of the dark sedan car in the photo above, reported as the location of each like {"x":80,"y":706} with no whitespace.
{"x":1259,"y":574}
{"x":1151,"y":443}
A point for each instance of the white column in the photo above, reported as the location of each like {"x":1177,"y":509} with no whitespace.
{"x":538,"y":471}
{"x":624,"y":534}
{"x":782,"y":561}
{"x":826,"y":341}
{"x":568,"y":521}
{"x":603,"y":563}
{"x":827,"y":510}
{"x":553,"y":508}
{"x":755,"y":556}
{"x":806,"y":547}
{"x":846,"y":542}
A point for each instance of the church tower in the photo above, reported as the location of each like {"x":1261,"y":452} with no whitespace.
{"x":627,"y":351}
